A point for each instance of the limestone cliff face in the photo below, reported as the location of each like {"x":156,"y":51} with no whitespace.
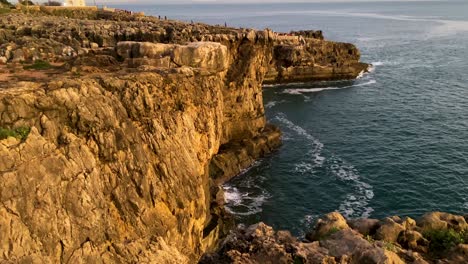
{"x":129,"y":138}
{"x":116,"y":167}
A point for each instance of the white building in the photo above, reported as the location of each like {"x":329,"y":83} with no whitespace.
{"x":74,"y":3}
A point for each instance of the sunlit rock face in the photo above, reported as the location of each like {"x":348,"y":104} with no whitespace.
{"x":132,"y":134}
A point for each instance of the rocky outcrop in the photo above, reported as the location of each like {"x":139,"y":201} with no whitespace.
{"x":299,"y":59}
{"x":336,"y":240}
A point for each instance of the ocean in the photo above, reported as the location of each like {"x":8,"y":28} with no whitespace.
{"x":394,"y":142}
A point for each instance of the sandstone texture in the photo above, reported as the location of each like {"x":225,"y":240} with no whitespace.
{"x":337,"y":240}
{"x":132,"y":124}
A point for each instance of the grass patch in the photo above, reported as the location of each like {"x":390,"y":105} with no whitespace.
{"x":389,"y":246}
{"x":443,"y":240}
{"x":19,"y":133}
{"x":38,"y":65}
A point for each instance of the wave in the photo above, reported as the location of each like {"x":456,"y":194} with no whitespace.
{"x":316,"y":145}
{"x":283,"y":84}
{"x":355,"y":203}
{"x":272,"y":104}
{"x":245,"y":197}
{"x":316,"y":90}
{"x":243,"y":203}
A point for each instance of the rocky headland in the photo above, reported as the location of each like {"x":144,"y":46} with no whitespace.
{"x":117,"y":130}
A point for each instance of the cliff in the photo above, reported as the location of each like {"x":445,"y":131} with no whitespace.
{"x":115,"y":135}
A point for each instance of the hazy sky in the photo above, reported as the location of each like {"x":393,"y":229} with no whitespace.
{"x":100,"y":2}
{"x":225,"y":1}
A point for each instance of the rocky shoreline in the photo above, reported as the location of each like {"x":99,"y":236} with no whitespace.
{"x":117,"y":130}
{"x":435,"y":238}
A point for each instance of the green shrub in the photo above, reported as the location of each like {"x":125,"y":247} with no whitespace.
{"x":19,"y":133}
{"x":444,"y":239}
{"x":38,"y":65}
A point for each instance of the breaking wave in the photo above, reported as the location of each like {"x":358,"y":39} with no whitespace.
{"x":316,"y":90}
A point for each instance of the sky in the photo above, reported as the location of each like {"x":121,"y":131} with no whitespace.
{"x":101,"y":2}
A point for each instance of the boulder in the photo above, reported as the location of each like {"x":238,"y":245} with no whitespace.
{"x":345,"y":242}
{"x":207,"y":55}
{"x":389,"y":230}
{"x":439,"y":220}
{"x":413,"y":240}
{"x":376,"y":256}
{"x":327,"y":225}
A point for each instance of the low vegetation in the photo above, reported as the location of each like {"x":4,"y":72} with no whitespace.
{"x":19,"y":133}
{"x":38,"y":65}
{"x":442,"y":240}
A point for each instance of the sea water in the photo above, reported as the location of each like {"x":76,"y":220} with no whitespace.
{"x":392,"y":142}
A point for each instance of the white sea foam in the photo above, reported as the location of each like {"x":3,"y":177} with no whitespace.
{"x":272,"y":104}
{"x":370,"y":82}
{"x":244,"y":203}
{"x":232,"y":195}
{"x":308,"y":90}
{"x":316,"y":90}
{"x":356,"y":203}
{"x":316,"y":145}
{"x":361,"y":74}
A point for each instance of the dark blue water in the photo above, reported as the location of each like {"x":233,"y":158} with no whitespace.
{"x":392,"y":142}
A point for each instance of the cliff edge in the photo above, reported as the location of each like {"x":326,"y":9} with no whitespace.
{"x":115,"y":133}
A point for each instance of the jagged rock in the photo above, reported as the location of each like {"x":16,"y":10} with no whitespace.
{"x":413,"y":240}
{"x":439,"y":220}
{"x":389,"y":230}
{"x":327,"y":225}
